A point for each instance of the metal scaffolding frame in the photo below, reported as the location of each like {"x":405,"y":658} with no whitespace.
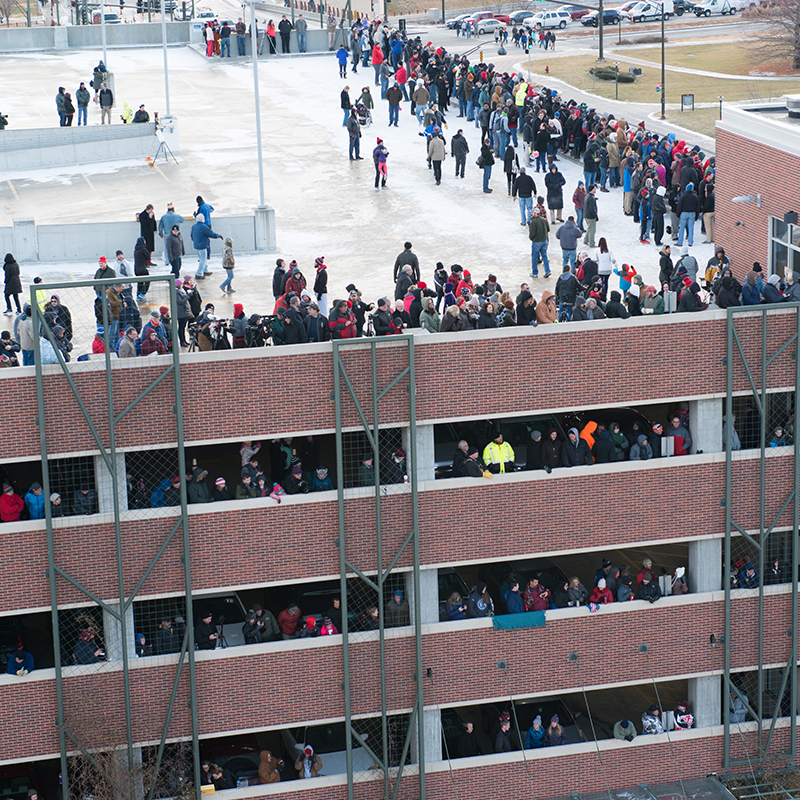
{"x":759,"y":383}
{"x":366,"y":406}
{"x":108,"y":451}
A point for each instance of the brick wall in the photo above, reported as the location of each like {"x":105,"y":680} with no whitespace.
{"x":237,"y":397}
{"x":751,"y":168}
{"x":537,"y":664}
{"x":296,"y":540}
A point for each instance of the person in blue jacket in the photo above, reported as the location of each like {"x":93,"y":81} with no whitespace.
{"x":751,"y":294}
{"x":21,"y":663}
{"x":535,"y":737}
{"x":341,"y":56}
{"x":201,"y":234}
{"x":34,"y":500}
{"x":514,"y":602}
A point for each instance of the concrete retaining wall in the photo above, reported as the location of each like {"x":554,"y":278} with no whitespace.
{"x":142,"y":34}
{"x":6,"y":240}
{"x":89,"y":241}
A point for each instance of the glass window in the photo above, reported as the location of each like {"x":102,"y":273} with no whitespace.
{"x":780,"y":230}
{"x":780,"y":255}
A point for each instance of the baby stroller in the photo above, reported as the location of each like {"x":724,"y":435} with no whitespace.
{"x":363,"y":114}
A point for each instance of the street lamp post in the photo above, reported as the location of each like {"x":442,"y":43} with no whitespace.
{"x":164,"y":46}
{"x":720,"y":98}
{"x":254,"y":43}
{"x":616,"y":80}
{"x":663,"y":70}
{"x":103,"y":29}
{"x":600,"y":57}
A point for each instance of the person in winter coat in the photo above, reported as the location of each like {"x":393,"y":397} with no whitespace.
{"x":487,"y":319}
{"x":554,"y":181}
{"x":514,"y":603}
{"x":85,"y":500}
{"x":536,"y":597}
{"x":487,"y":162}
{"x":615,"y":309}
{"x":576,"y":451}
{"x":751,"y":294}
{"x":148,"y":226}
{"x":459,"y":149}
{"x":141,"y":261}
{"x":34,"y":500}
{"x":429,"y":319}
{"x":579,"y":203}
{"x":601,"y":594}
{"x":308,"y":763}
{"x":453,"y":320}
{"x":727,"y":295}
{"x":569,"y":235}
{"x":577,"y":594}
{"x":641,"y":451}
{"x":269,"y":770}
{"x":201,"y":234}
{"x":653,"y":302}
{"x":11,"y":504}
{"x":127,"y":344}
{"x":480,"y":602}
{"x":546,"y":310}
{"x":683,"y":440}
{"x":772,"y":292}
{"x":624,"y":590}
{"x":12,"y":284}
{"x":551,"y":450}
{"x":648,"y":588}
{"x":603,"y":449}
{"x":651,"y":721}
{"x":228,"y":263}
{"x":535,"y":736}
{"x":624,"y":730}
{"x":197,"y":489}
{"x":526,"y":309}
{"x":554,"y":735}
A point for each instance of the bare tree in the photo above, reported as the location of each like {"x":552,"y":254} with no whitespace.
{"x":779,"y":39}
{"x":6,"y":7}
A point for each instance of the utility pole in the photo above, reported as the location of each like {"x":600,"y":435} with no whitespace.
{"x":600,"y":56}
{"x":663,"y":70}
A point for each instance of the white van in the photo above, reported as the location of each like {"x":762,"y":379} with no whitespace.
{"x":708,"y":7}
{"x":549,"y":19}
{"x":645,"y":11}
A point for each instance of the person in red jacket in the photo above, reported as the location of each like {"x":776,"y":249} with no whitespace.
{"x":377,"y":60}
{"x":342,"y":321}
{"x":465,"y":282}
{"x":11,"y":504}
{"x":289,"y":621}
{"x":601,"y":594}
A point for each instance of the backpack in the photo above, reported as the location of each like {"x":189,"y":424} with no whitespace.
{"x":579,"y":273}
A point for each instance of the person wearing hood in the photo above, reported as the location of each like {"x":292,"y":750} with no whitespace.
{"x":749,"y":577}
{"x":593,"y":309}
{"x":269,"y":768}
{"x":777,"y":439}
{"x":197,"y":490}
{"x":615,"y":309}
{"x":429,"y":319}
{"x":727,"y":295}
{"x":12,"y":284}
{"x":554,"y":181}
{"x":566,"y":292}
{"x":751,"y":294}
{"x":772,"y":292}
{"x":87,"y":651}
{"x":690,"y":302}
{"x":34,"y":500}
{"x":308,"y":763}
{"x":526,"y":309}
{"x":62,"y":343}
{"x":239,"y":326}
{"x":792,"y":292}
{"x":641,"y":451}
{"x":480,"y":603}
{"x":688,"y":208}
{"x":579,"y":310}
{"x":546,"y":311}
{"x":736,"y":443}
{"x":201,"y":234}
{"x":415,"y":308}
{"x":603,"y":450}
{"x":658,"y":207}
{"x":397,"y":611}
{"x":228,"y":263}
{"x":575,"y":452}
{"x":58,"y":314}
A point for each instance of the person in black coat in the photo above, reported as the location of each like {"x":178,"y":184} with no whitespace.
{"x":382,"y":318}
{"x":205,"y":634}
{"x":603,"y":449}
{"x":689,"y":300}
{"x":468,"y":746}
{"x":727,"y":295}
{"x":535,"y":459}
{"x":551,"y":450}
{"x":141,"y":260}
{"x":415,"y":309}
{"x":148,"y":227}
{"x":666,"y":267}
{"x":279,"y":277}
{"x":614,"y":307}
{"x":13,"y":285}
{"x":526,"y":309}
{"x":575,"y":452}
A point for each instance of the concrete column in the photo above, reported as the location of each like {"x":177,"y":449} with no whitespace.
{"x":113,"y":635}
{"x":705,"y":425}
{"x":429,"y":591}
{"x":105,"y":486}
{"x":426,"y":461}
{"x":60,"y":38}
{"x":266,"y":238}
{"x":24,"y":231}
{"x":705,"y":565}
{"x":433,"y":737}
{"x":129,"y":783}
{"x":705,"y":700}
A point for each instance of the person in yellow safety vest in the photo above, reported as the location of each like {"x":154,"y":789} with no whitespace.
{"x":499,"y":456}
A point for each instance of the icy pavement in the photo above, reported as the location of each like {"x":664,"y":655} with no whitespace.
{"x":325,"y":204}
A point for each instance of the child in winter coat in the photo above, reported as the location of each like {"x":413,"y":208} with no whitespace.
{"x":228,"y":263}
{"x":625,"y":277}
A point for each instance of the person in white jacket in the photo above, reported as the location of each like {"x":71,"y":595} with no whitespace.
{"x":605,"y":262}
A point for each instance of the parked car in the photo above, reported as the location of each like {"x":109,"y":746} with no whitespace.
{"x":575,"y":12}
{"x":549,"y":19}
{"x":489,"y":26}
{"x":683,"y":5}
{"x":518,"y":16}
{"x":610,"y":17}
{"x":480,"y":16}
{"x":450,"y":581}
{"x":451,"y":23}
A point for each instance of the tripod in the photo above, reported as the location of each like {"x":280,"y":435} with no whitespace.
{"x":163,"y":147}
{"x":222,"y":642}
